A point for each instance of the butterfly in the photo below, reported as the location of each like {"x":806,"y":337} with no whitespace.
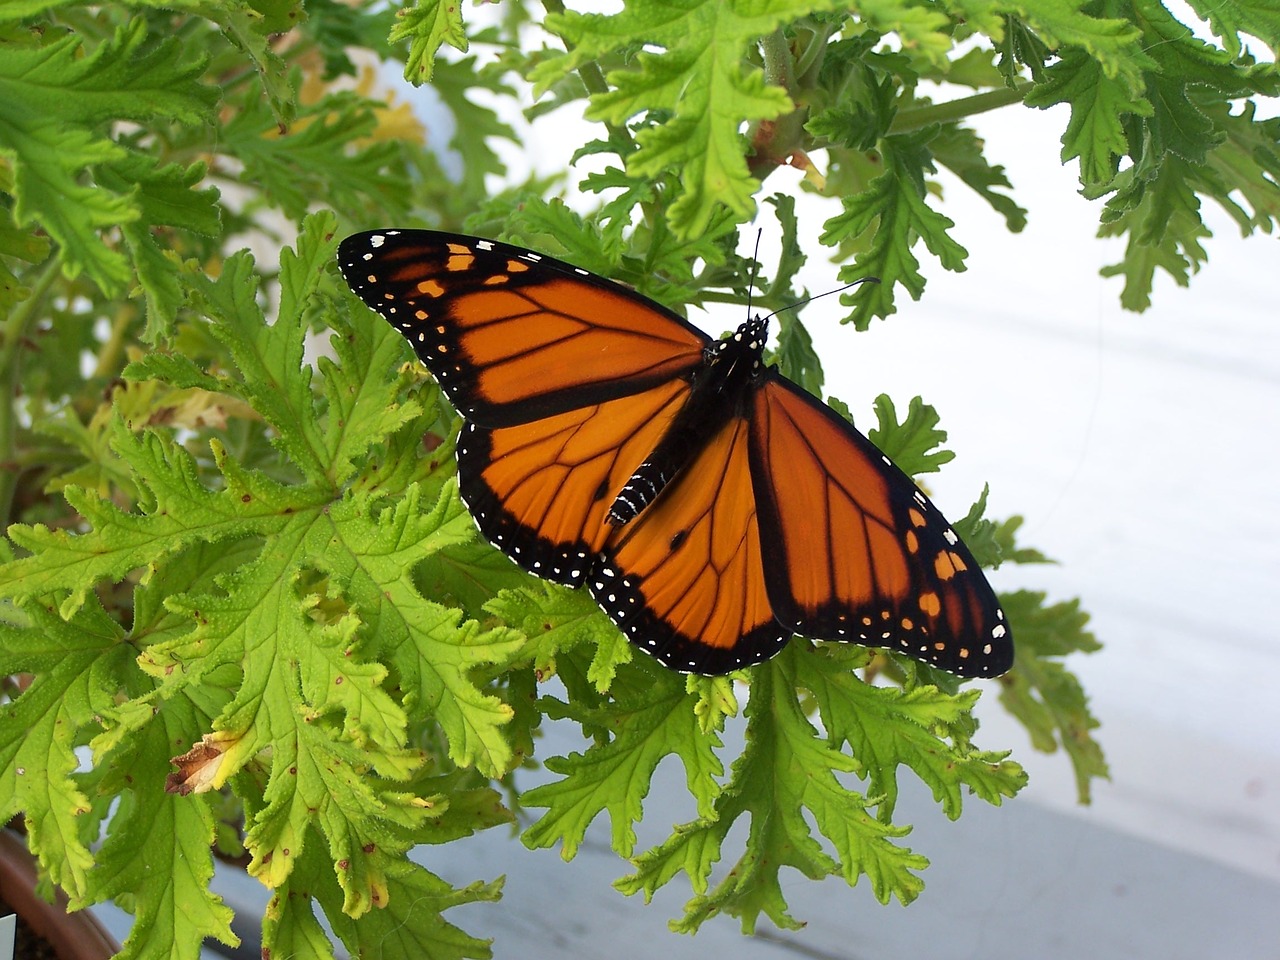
{"x":712,"y":507}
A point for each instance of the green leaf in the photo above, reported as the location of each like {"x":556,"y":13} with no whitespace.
{"x":123,"y":78}
{"x":699,"y":82}
{"x":915,"y":444}
{"x":477,"y":124}
{"x":274,"y":379}
{"x":338,"y":29}
{"x":1005,"y":534}
{"x":411,"y":927}
{"x":1112,"y":42}
{"x":166,"y":198}
{"x":1099,"y":108}
{"x":1247,"y":166}
{"x":47,"y":161}
{"x":616,"y":215}
{"x":53,"y":100}
{"x":21,"y":9}
{"x":959,"y":149}
{"x":1160,"y":211}
{"x":797,"y":359}
{"x":74,"y":662}
{"x":1042,"y":693}
{"x":184,"y":512}
{"x":432,"y":652}
{"x":244,"y":25}
{"x":1230,"y":18}
{"x":785,"y":770}
{"x":894,"y":213}
{"x":924,"y":32}
{"x":367,"y":823}
{"x":364,"y":408}
{"x":554,"y":619}
{"x":981,"y":536}
{"x":324,"y":152}
{"x":887,"y":727}
{"x":156,"y":854}
{"x":646,"y":727}
{"x":427,"y":25}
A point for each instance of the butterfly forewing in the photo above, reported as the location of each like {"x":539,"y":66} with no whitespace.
{"x":858,"y":552}
{"x":511,"y":335}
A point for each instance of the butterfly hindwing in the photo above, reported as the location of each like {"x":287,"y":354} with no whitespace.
{"x":858,"y":551}
{"x":512,"y":335}
{"x":685,"y":579}
{"x":541,"y":490}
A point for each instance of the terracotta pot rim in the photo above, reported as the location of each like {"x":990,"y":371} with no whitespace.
{"x":75,"y":936}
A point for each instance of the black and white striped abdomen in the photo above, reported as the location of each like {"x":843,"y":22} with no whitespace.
{"x":637,"y":493}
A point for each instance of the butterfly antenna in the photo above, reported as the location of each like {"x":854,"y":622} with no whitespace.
{"x":819,"y":296}
{"x":755,"y":268}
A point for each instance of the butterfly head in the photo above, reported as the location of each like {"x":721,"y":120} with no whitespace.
{"x":744,"y":348}
{"x":753,"y":333}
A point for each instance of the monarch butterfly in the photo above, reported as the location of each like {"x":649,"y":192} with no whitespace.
{"x":712,"y":507}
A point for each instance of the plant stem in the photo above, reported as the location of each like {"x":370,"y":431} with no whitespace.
{"x":16,"y":328}
{"x":913,"y":118}
{"x":778,"y":66}
{"x":113,"y":346}
{"x":593,"y":79}
{"x":775,"y":140}
{"x":813,"y":53}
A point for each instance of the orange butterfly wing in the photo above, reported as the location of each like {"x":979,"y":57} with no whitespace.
{"x":511,"y":335}
{"x":857,"y":552}
{"x":685,"y":579}
{"x":541,"y":490}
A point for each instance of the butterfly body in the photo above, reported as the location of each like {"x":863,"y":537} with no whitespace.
{"x":712,"y":507}
{"x":719,"y":391}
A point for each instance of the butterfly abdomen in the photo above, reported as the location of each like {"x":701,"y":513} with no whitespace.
{"x":642,"y":489}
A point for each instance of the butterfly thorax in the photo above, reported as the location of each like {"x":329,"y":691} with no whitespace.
{"x":721,"y":389}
